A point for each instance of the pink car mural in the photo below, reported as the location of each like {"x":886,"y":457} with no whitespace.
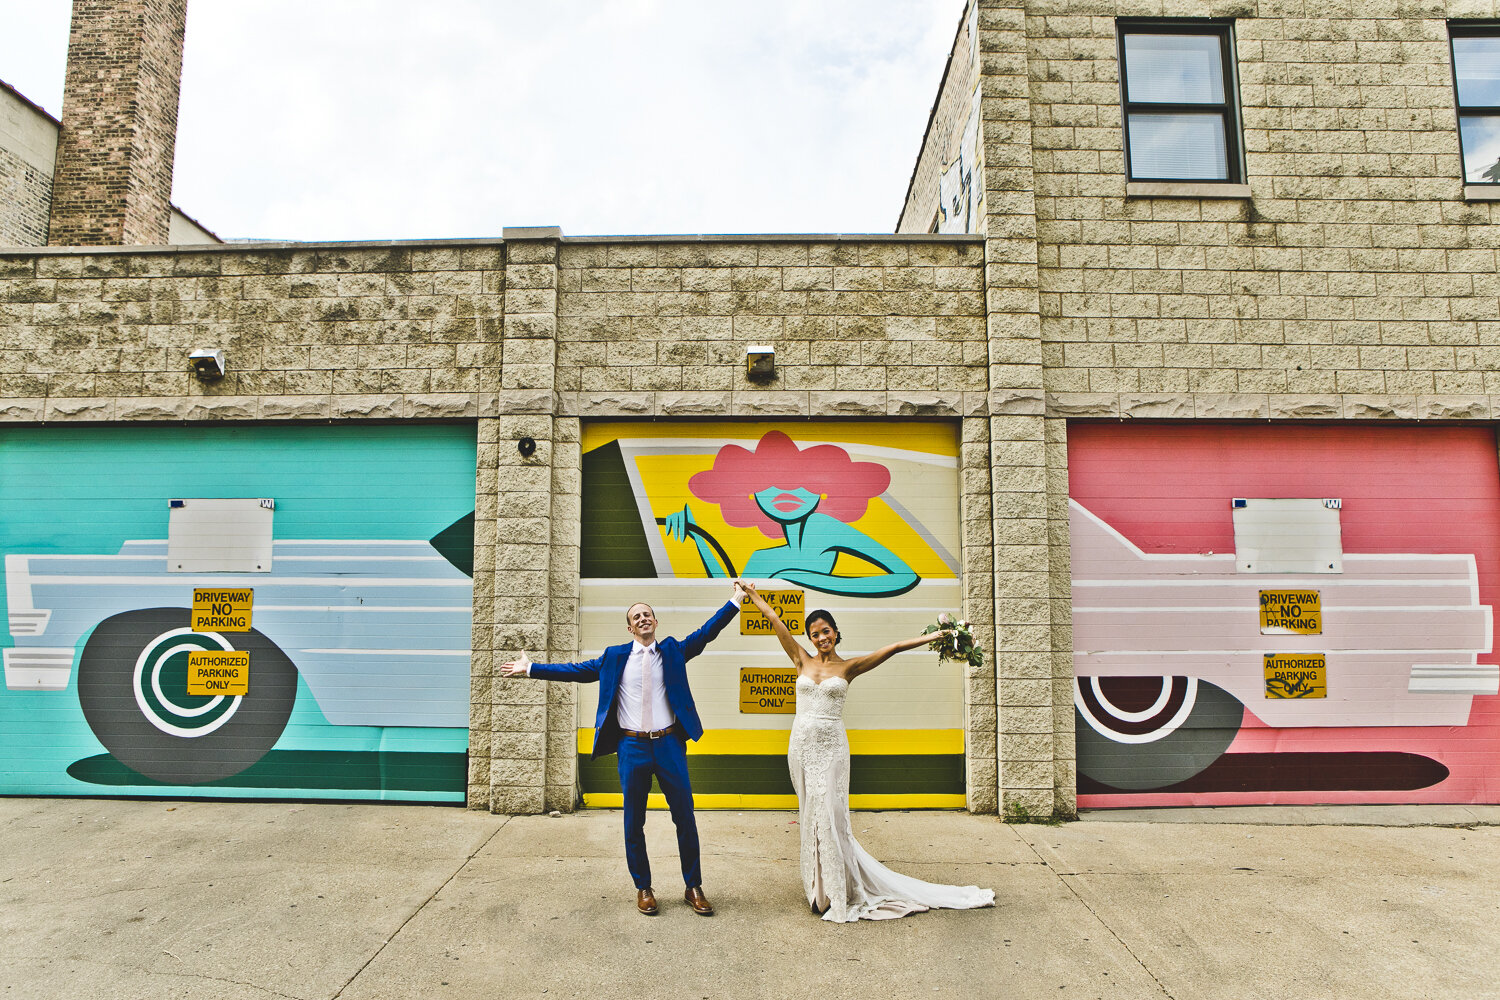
{"x":1170,"y":649}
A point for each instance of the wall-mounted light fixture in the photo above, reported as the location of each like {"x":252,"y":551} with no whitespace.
{"x":208,"y":363}
{"x":760,"y":362}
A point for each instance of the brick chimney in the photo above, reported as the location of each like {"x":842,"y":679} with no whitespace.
{"x":113,"y":178}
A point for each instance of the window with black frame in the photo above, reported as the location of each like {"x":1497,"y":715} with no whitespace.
{"x":1476,"y":79}
{"x":1177,"y":83}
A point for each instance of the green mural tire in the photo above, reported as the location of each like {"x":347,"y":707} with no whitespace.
{"x":1137,"y":734}
{"x":132,"y":687}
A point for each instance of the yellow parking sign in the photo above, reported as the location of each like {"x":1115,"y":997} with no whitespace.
{"x":222,"y":610}
{"x":1291,"y":612}
{"x":1296,"y":675}
{"x":789,"y":606}
{"x":768,"y":691}
{"x":212,"y":671}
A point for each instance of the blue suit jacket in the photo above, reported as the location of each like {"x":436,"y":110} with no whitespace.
{"x":607,"y":669}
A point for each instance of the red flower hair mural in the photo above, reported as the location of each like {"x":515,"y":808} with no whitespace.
{"x":809,"y":497}
{"x":846,"y":486}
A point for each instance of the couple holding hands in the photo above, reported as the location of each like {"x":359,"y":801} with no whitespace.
{"x":646,"y":714}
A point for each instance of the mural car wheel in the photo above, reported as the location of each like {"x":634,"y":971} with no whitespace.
{"x":132,"y":686}
{"x":1143,"y":733}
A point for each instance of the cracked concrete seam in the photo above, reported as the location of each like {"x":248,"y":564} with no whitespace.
{"x":1064,"y":880}
{"x":420,"y":907}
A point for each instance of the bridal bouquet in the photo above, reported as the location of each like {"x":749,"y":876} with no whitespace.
{"x":960,"y":646}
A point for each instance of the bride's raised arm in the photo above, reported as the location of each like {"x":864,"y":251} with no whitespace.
{"x":869,"y":661}
{"x":794,"y":649}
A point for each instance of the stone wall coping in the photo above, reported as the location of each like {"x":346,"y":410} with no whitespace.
{"x":782,"y":404}
{"x":754,"y":403}
{"x":1269,"y":406}
{"x":249,"y":246}
{"x":491,"y":241}
{"x":261,"y":409}
{"x":531,"y":232}
{"x":788,"y":238}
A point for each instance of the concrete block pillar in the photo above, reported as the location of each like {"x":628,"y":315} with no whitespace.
{"x":1060,"y":611}
{"x":561,"y":774}
{"x":112,"y":183}
{"x":976,"y":507}
{"x":1028,"y":728}
{"x":526,"y":459}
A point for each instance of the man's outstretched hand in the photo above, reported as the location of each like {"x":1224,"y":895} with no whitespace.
{"x":516,"y":667}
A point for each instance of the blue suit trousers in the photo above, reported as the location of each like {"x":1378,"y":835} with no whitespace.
{"x":665,"y":758}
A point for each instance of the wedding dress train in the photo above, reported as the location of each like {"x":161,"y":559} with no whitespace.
{"x":841,"y":878}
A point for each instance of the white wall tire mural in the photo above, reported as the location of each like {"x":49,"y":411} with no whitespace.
{"x":132,"y":689}
{"x":1139,"y":733}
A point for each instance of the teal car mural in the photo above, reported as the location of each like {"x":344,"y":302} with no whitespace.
{"x":378,"y":630}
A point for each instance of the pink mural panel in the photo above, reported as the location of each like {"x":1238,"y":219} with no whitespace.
{"x":1420,"y":526}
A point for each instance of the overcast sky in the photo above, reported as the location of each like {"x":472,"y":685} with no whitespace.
{"x":389,"y":119}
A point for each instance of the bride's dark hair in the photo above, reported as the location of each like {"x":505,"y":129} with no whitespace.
{"x":821,"y":615}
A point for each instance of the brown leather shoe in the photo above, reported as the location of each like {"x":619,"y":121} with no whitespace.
{"x":698,"y":901}
{"x":645,"y":901}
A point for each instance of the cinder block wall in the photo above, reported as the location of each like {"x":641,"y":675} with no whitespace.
{"x":1356,"y":281}
{"x":311,"y":332}
{"x":871,"y":327}
{"x":861,"y":326}
{"x":525,"y":337}
{"x":950,"y":112}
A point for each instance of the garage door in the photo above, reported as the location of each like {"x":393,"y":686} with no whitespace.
{"x":670,"y":514}
{"x":237,"y":612}
{"x":1284,"y":614}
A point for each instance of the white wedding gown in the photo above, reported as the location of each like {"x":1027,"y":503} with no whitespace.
{"x":841,"y":878}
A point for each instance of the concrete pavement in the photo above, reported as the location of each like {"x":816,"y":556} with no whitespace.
{"x":233,"y":901}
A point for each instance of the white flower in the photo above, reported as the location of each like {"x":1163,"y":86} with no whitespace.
{"x":944,"y":619}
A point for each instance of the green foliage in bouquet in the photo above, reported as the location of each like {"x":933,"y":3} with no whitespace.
{"x":959,"y":646}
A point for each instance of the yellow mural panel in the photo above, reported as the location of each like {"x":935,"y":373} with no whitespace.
{"x":814,"y":504}
{"x":862,"y":518}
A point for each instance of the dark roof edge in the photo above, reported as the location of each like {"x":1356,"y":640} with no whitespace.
{"x":29,"y":103}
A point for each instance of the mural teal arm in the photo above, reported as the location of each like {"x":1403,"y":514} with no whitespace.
{"x":829,"y":537}
{"x":893,"y":584}
{"x":680,"y":525}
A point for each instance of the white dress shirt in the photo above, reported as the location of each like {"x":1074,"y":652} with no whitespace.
{"x":642,"y":704}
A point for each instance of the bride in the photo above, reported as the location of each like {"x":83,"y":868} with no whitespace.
{"x":842,"y":880}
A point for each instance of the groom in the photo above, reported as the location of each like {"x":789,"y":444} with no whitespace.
{"x":646,"y":713}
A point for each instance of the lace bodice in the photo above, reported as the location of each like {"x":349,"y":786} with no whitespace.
{"x":822,"y":700}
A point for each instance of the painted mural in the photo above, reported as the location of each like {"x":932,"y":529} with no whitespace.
{"x":848,"y":518}
{"x":143,"y":659}
{"x":862,"y":518}
{"x":1290,"y":617}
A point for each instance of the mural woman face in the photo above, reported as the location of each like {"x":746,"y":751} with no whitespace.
{"x":787,"y":505}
